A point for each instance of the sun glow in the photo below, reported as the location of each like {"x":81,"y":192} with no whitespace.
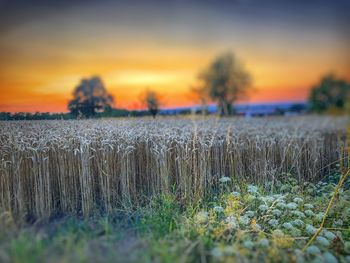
{"x":144,"y":78}
{"x":134,"y":48}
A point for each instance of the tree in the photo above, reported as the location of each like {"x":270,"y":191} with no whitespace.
{"x":201,"y":94}
{"x":5,"y":116}
{"x":226,"y":80}
{"x":330,"y":94}
{"x":152,"y":102}
{"x":90,"y":96}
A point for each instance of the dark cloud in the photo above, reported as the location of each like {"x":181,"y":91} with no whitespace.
{"x":18,"y":12}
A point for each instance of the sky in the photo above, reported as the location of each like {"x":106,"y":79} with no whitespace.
{"x":47,"y":47}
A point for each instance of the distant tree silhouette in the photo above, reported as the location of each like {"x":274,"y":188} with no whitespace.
{"x":329,"y":95}
{"x":298,"y":108}
{"x":225,"y":81}
{"x":152,"y":101}
{"x":201,"y":93}
{"x":90,"y":97}
{"x":5,"y":116}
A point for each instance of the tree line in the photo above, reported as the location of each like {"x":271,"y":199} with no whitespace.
{"x":224,"y":81}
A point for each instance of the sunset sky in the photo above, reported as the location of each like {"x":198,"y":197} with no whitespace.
{"x":46,"y":48}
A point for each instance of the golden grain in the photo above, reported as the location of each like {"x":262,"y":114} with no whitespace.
{"x":80,"y":167}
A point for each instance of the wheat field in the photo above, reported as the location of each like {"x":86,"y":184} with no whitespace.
{"x":80,"y":167}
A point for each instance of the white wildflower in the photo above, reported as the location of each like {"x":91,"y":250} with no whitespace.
{"x":264,"y":242}
{"x":287,"y":225}
{"x":322,"y":241}
{"x":244,"y":220}
{"x":291,"y":206}
{"x":329,"y":258}
{"x":263,"y":208}
{"x":217,"y":253}
{"x":236,"y":194}
{"x":248,"y":244}
{"x":225,"y":179}
{"x":273,"y":222}
{"x":249,"y":213}
{"x":310,"y":229}
{"x":295,"y":232}
{"x":281,"y":205}
{"x":278,"y":196}
{"x":218,"y":209}
{"x":319,"y":217}
{"x":252,"y":189}
{"x":298,"y":223}
{"x":329,"y":235}
{"x":232,"y":222}
{"x":277,"y":212}
{"x":338,"y":223}
{"x":313,"y":250}
{"x":309,"y":212}
{"x":298,"y":200}
{"x":262,"y":199}
{"x":298,"y":213}
{"x":308,"y":206}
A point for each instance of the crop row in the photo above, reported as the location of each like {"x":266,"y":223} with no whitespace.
{"x":78,"y":167}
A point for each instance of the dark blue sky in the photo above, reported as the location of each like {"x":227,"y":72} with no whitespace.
{"x":14,"y":12}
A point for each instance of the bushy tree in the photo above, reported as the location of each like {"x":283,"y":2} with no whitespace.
{"x":330,"y":94}
{"x":225,"y":81}
{"x":152,"y":102}
{"x":90,"y":96}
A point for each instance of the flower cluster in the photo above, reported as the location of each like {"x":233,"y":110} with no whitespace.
{"x":279,"y":222}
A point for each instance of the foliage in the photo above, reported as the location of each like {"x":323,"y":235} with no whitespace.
{"x":331,"y":94}
{"x":160,"y":217}
{"x":107,"y":113}
{"x":276,"y":224}
{"x":90,"y":96}
{"x":225,"y":81}
{"x":243,"y":223}
{"x":7,"y":116}
{"x":152,"y":101}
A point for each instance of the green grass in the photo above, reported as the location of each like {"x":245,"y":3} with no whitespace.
{"x":245,"y":223}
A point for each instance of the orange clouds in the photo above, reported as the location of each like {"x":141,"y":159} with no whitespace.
{"x":163,"y":47}
{"x":49,"y":91}
{"x":38,"y":71}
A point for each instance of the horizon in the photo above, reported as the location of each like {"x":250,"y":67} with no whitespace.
{"x":191,"y":106}
{"x":47,"y":48}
